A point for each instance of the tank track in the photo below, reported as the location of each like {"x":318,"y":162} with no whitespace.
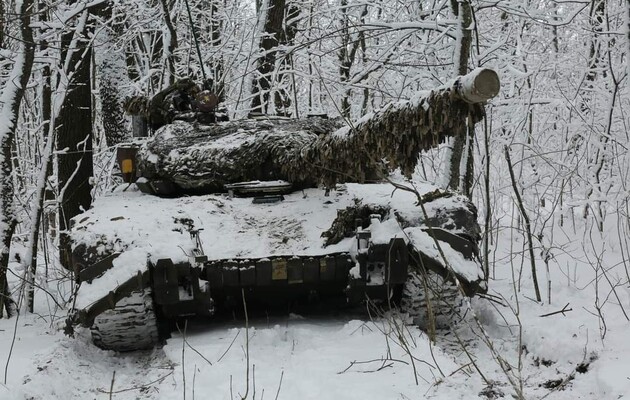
{"x":452,"y":332}
{"x":131,"y":325}
{"x":424,"y":290}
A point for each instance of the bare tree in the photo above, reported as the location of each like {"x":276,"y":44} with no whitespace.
{"x":74,"y":139}
{"x":11,"y":99}
{"x":113,"y":80}
{"x":461,"y":155}
{"x":348,"y":51}
{"x":168,"y":56}
{"x":279,"y":29}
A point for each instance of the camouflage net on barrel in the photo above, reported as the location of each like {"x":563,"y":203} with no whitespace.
{"x":394,"y":135}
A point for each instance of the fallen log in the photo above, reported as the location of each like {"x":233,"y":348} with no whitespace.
{"x":204,"y":158}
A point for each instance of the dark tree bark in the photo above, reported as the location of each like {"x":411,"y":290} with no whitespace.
{"x":111,"y":69}
{"x":347,"y":54}
{"x":169,"y":56}
{"x":282,"y":98}
{"x":275,"y":34}
{"x":11,"y":97}
{"x":216,"y":64}
{"x":2,"y":19}
{"x":74,"y":143}
{"x":39,"y":199}
{"x":462,"y":147}
{"x":595,"y":72}
{"x":596,"y":21}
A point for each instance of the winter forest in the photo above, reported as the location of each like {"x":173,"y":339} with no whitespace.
{"x":547,"y":167}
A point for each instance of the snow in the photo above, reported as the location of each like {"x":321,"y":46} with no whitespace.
{"x":422,"y":241}
{"x":145,"y":228}
{"x":159,"y":227}
{"x":126,"y":266}
{"x":339,"y":357}
{"x":383,"y":232}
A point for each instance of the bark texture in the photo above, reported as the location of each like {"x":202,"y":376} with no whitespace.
{"x":279,"y":29}
{"x":74,"y":143}
{"x":461,"y":162}
{"x":11,"y":99}
{"x":112,"y":77}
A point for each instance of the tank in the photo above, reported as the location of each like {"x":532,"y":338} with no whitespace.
{"x":276,"y":212}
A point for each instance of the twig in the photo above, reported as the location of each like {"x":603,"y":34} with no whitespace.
{"x":246,"y":344}
{"x":184,"y":354}
{"x":460,"y":369}
{"x":229,"y":347}
{"x":6,"y":366}
{"x":519,"y":202}
{"x":196,"y":351}
{"x":563,"y":311}
{"x":470,"y":357}
{"x":194,"y":378}
{"x":141,"y":387}
{"x":111,"y":386}
{"x":363,"y":325}
{"x":279,"y":385}
{"x":383,"y":360}
{"x":492,"y":298}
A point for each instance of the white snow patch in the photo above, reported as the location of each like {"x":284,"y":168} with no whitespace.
{"x":422,"y":241}
{"x":126,"y":266}
{"x":383,"y":232}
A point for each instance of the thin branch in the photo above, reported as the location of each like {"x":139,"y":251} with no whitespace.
{"x":563,"y":311}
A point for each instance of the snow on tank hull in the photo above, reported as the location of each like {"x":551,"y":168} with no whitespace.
{"x":197,"y":254}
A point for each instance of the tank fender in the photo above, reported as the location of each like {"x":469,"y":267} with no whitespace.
{"x":85,"y":317}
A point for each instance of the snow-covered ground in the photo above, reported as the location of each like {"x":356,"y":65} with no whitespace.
{"x":333,"y":357}
{"x":578,"y":355}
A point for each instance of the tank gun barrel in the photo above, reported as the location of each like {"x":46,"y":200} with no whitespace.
{"x":399,"y":131}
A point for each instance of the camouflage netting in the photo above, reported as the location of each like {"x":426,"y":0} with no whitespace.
{"x":316,"y":150}
{"x":205,"y":158}
{"x":346,"y":222}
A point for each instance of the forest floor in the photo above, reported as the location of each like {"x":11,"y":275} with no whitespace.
{"x":583,"y":353}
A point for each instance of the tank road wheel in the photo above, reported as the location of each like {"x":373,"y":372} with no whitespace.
{"x":131,"y":325}
{"x":424,"y":290}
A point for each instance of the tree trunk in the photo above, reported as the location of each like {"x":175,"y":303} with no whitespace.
{"x":111,"y":69}
{"x":2,"y":21}
{"x":46,"y":160}
{"x":461,"y":156}
{"x":596,"y":24}
{"x":347,"y":54}
{"x":36,"y":217}
{"x":11,"y":99}
{"x":74,"y":143}
{"x":628,"y":35}
{"x":282,"y":98}
{"x":216,"y":64}
{"x":171,"y":37}
{"x":273,"y":35}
